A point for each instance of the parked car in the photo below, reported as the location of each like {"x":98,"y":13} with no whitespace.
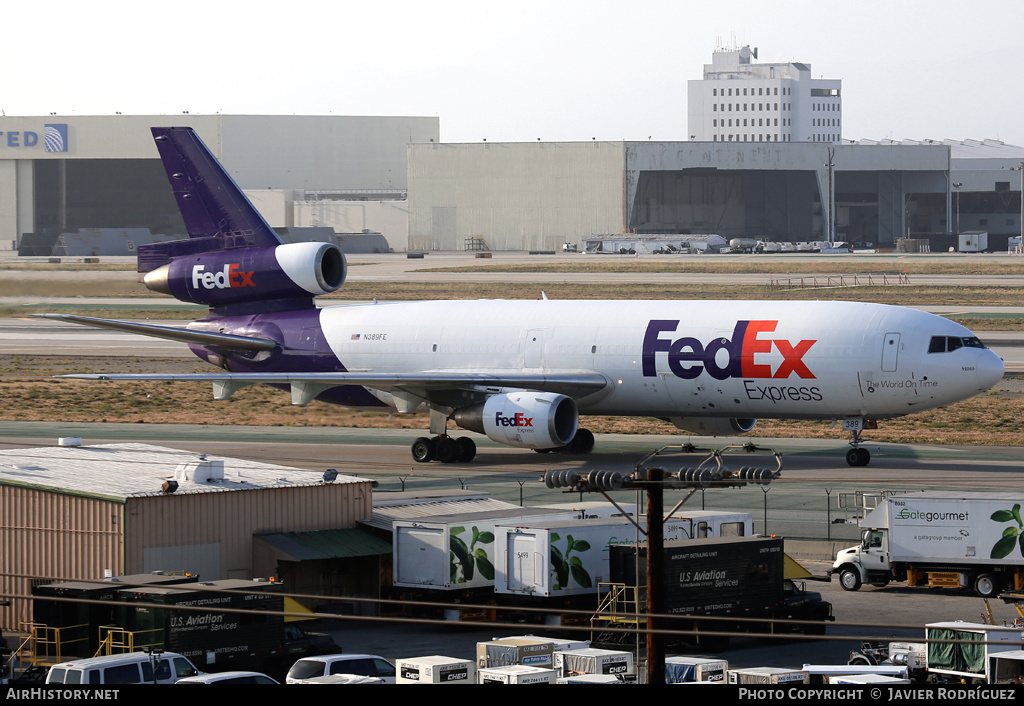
{"x":235,"y":677}
{"x":128,"y":668}
{"x":324,"y":665}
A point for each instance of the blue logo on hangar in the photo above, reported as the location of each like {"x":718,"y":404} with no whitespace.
{"x":55,"y":138}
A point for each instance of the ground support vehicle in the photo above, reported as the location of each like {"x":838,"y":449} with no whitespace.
{"x":945,"y":539}
{"x":708,"y":585}
{"x":953,"y":652}
{"x":126,"y":668}
{"x":195,"y":619}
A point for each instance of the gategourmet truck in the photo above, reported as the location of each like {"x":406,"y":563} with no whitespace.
{"x":971,"y":540}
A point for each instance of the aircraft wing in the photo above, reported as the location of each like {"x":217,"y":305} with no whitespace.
{"x":224,"y":340}
{"x":306,"y":386}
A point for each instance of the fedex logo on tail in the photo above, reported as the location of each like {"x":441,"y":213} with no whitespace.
{"x":689,"y":357}
{"x":230,"y":276}
{"x":516,"y":420}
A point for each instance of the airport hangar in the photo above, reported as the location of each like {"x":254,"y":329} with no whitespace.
{"x":394,"y":176}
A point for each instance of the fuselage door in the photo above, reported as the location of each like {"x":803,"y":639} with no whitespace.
{"x":890,"y":352}
{"x":533,"y":348}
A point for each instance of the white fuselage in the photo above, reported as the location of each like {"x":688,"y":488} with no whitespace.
{"x":813,"y":360}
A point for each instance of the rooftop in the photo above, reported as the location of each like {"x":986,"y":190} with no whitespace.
{"x":121,"y":471}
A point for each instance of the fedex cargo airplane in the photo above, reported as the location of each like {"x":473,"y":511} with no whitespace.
{"x":522,"y":372}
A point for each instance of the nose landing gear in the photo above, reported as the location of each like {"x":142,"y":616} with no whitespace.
{"x":857,"y":456}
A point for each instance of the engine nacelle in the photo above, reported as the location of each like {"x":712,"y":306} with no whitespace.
{"x":249,"y":274}
{"x":527,"y":420}
{"x":713,"y":426}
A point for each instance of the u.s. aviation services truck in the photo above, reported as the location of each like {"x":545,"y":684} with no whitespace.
{"x":971,"y":540}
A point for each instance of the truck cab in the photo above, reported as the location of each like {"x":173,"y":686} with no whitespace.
{"x":866,"y":563}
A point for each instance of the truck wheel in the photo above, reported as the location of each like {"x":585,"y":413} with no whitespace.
{"x":987,"y":585}
{"x":849,"y":579}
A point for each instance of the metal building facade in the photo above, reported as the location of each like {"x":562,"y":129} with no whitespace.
{"x":105,"y":172}
{"x":516,"y":196}
{"x":85,"y":512}
{"x":535,"y":196}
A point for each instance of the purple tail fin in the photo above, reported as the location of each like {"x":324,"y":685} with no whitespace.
{"x":217,"y":214}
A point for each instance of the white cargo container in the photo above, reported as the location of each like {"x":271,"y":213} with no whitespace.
{"x":968,"y":657}
{"x":594,"y":661}
{"x":559,"y":643}
{"x":556,"y":558}
{"x":516,"y":674}
{"x":454,"y":552}
{"x":682,"y":670}
{"x":939,"y":539}
{"x":503,"y":652}
{"x":435,"y":669}
{"x":765,"y":675}
{"x":973,"y":241}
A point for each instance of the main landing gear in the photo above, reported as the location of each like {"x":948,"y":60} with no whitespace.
{"x":857,"y":456}
{"x":444,"y":448}
{"x":582,"y":443}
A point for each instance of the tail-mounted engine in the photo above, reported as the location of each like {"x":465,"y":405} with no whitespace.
{"x":528,"y":420}
{"x":225,"y":277}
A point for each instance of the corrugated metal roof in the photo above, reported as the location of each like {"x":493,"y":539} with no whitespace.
{"x":120,"y":471}
{"x":958,"y":149}
{"x":327,"y":544}
{"x":389,"y":509}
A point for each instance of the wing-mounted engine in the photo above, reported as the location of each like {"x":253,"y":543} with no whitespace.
{"x":713,"y":426}
{"x":222,"y":277}
{"x":527,"y":420}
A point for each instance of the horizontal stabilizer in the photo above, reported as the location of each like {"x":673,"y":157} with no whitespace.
{"x":221,"y":340}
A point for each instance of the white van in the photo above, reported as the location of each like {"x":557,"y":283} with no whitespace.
{"x":325,"y":665}
{"x":128,"y":668}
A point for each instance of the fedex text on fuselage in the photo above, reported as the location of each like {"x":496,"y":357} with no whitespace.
{"x":688,"y":357}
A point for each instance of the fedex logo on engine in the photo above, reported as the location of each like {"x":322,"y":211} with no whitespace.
{"x":516,"y":420}
{"x":724,"y":358}
{"x":230,"y":276}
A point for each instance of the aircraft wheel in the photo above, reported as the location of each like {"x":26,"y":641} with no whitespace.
{"x":858,"y":457}
{"x":467,"y":449}
{"x":447,"y":451}
{"x":582,"y":442}
{"x":423,"y":450}
{"x":543,"y":451}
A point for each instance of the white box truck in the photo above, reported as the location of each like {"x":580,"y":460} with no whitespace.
{"x":973,"y":540}
{"x":454,"y":552}
{"x":557,"y":558}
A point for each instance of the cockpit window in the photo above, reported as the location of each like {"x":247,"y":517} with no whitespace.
{"x":948,"y":344}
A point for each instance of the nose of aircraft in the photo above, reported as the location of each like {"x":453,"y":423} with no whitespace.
{"x":990,"y":369}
